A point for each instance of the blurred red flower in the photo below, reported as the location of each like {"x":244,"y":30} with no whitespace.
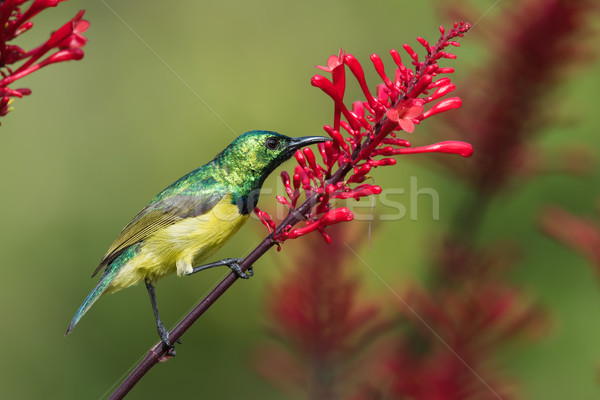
{"x":320,"y":321}
{"x":534,"y":42}
{"x":579,"y":233}
{"x":63,"y":45}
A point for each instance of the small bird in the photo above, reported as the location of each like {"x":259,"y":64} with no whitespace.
{"x":193,"y":217}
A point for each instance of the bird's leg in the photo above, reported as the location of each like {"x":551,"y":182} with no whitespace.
{"x":162,"y":331}
{"x":232,"y":263}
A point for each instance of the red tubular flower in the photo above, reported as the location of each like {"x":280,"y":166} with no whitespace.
{"x":265,"y":218}
{"x":365,"y":131}
{"x":64,"y":45}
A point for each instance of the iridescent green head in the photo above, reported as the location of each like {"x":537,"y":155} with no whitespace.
{"x":250,"y":158}
{"x":258,"y":153}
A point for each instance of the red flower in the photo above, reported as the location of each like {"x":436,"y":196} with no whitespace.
{"x":66,"y":43}
{"x":405,"y":114}
{"x":368,"y":130}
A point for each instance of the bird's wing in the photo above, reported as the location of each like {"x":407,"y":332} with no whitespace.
{"x":158,"y":215}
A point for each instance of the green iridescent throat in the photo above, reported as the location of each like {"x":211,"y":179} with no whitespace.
{"x":246,"y":163}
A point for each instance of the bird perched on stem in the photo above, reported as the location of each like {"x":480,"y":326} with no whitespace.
{"x":190,"y":219}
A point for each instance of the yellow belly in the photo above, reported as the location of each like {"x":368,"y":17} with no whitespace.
{"x":181,"y":246}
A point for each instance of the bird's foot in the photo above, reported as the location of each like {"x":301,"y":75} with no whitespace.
{"x":164,"y":337}
{"x":233,"y":263}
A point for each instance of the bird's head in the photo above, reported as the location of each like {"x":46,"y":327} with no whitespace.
{"x":258,"y":153}
{"x":249,"y":159}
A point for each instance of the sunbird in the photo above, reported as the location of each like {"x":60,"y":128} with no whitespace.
{"x":193,"y":217}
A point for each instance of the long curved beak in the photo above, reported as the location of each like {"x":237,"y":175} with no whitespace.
{"x":299,"y":142}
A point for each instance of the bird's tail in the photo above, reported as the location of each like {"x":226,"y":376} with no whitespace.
{"x":105,"y":280}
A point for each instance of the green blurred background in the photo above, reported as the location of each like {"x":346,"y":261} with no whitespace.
{"x":163,"y":87}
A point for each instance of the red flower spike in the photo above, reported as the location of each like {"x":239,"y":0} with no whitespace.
{"x":362,"y":135}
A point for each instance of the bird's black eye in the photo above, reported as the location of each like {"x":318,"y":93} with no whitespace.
{"x":272,"y":143}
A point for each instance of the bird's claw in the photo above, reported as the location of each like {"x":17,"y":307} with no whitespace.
{"x":164,"y":337}
{"x":233,"y":263}
{"x":237,"y":270}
